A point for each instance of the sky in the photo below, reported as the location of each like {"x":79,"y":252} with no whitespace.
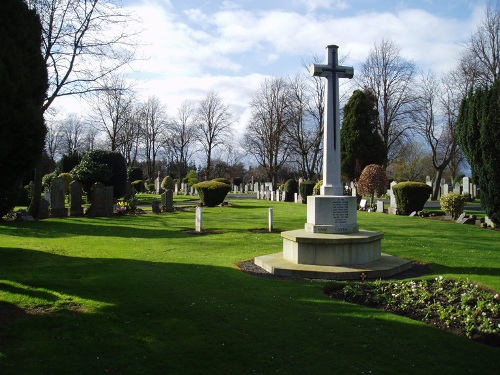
{"x":191,"y":47}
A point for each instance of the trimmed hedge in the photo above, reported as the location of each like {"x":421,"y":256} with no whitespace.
{"x":212,"y":193}
{"x":223,"y":180}
{"x":291,"y":187}
{"x":411,"y":196}
{"x":306,"y":188}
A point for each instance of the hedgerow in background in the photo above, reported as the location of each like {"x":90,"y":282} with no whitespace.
{"x":479,"y":137}
{"x":373,"y":179}
{"x":411,"y":196}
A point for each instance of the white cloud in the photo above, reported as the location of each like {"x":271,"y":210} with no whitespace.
{"x":231,"y":49}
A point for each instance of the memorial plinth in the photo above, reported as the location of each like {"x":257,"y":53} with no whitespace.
{"x":332,"y":214}
{"x":331,"y":245}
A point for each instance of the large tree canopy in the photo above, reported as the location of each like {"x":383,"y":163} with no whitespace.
{"x":479,"y":138}
{"x":23,"y":82}
{"x":361,"y":143}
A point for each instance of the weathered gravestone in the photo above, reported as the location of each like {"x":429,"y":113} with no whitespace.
{"x":98,"y":201}
{"x":109,"y":200}
{"x":167,"y":201}
{"x":456,"y":188}
{"x":75,"y":193}
{"x":43,"y":209}
{"x":129,"y":191}
{"x":155,"y":207}
{"x":57,"y":208}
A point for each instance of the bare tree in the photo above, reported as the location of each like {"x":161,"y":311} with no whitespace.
{"x":265,"y":136}
{"x":72,"y":131}
{"x":390,"y":77}
{"x":213,"y":125}
{"x":305,"y":132}
{"x":180,"y":138}
{"x":480,"y":62}
{"x":129,"y":137}
{"x":52,"y":139}
{"x":82,"y":42}
{"x":153,"y":119}
{"x":79,"y":48}
{"x":113,"y":109}
{"x":436,"y":122}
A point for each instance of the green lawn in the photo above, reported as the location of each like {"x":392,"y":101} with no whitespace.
{"x":137,"y":295}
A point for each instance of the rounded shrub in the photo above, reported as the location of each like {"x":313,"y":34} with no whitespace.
{"x":453,"y":204}
{"x":306,"y":188}
{"x":47,"y":180}
{"x":168,"y":183}
{"x":212,"y":193}
{"x":411,"y":196}
{"x":317,"y":187}
{"x":291,"y":187}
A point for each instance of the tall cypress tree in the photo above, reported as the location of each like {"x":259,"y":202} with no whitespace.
{"x":23,"y":82}
{"x":361,"y":143}
{"x":479,"y":138}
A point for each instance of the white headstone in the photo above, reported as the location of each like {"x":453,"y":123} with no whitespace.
{"x":271,"y":219}
{"x":199,"y":219}
{"x":466,"y":185}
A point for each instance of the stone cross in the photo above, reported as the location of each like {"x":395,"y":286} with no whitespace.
{"x":332,"y":182}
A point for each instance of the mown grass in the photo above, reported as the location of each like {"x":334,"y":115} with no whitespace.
{"x":139,"y":295}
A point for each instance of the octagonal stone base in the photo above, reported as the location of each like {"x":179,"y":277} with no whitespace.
{"x":303,"y":247}
{"x":351,"y":256}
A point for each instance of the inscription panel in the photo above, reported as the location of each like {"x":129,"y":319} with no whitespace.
{"x":340,"y":211}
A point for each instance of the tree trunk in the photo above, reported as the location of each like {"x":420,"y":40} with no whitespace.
{"x":37,"y":191}
{"x":437,"y":185}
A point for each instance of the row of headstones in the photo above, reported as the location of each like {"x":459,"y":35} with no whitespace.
{"x":182,"y":188}
{"x":466,"y":188}
{"x":101,"y":198}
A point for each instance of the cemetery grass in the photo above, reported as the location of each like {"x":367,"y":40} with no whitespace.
{"x":140,"y":295}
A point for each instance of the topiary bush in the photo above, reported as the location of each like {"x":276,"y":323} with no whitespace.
{"x":411,"y":196}
{"x":373,"y":179}
{"x":212,"y":193}
{"x":168,"y":183}
{"x":306,"y":188}
{"x":453,"y":204}
{"x":223,"y":180}
{"x":291,"y":187}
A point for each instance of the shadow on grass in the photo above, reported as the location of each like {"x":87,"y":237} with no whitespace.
{"x":154,"y":317}
{"x":133,"y":227}
{"x":484,"y":271}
